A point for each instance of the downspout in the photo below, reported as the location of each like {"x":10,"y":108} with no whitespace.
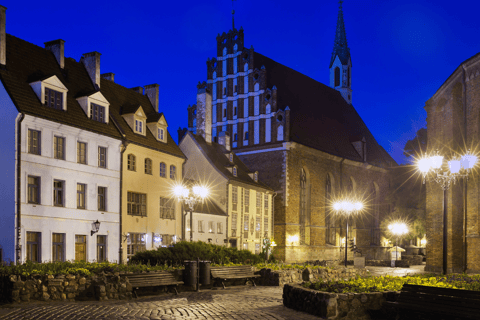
{"x":120,"y":248}
{"x":465,"y":181}
{"x":18,"y":231}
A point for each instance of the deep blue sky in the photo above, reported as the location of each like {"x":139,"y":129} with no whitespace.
{"x":402,"y":51}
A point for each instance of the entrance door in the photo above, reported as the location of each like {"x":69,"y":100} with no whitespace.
{"x":80,"y":248}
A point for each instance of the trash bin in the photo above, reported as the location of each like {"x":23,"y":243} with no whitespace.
{"x":204,"y":272}
{"x":190,"y":274}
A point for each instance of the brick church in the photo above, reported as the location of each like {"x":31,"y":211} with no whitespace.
{"x":306,"y":141}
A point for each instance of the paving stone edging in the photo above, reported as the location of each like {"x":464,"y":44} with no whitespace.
{"x":336,"y":306}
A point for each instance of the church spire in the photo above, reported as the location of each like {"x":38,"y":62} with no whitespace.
{"x":341,"y":63}
{"x":340,"y":47}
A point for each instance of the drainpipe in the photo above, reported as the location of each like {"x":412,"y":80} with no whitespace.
{"x":120,"y":248}
{"x":465,"y":185}
{"x":18,"y":230}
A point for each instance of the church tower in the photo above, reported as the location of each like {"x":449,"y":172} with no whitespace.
{"x":341,"y":63}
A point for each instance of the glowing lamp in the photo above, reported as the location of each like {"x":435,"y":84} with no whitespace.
{"x":454,"y":166}
{"x":436,"y":161}
{"x":468,"y":161}
{"x":424,"y":164}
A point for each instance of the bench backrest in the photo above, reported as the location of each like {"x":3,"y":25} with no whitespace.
{"x":245,"y":271}
{"x":153,"y":277}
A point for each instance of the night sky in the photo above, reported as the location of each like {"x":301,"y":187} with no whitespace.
{"x":402,"y":51}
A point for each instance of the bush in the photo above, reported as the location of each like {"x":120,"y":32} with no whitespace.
{"x":184,"y":250}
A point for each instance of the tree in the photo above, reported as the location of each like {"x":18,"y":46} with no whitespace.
{"x":418,"y":145}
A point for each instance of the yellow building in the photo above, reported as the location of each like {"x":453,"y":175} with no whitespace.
{"x":151,"y":166}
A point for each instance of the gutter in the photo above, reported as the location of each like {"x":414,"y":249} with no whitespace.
{"x":18,"y":229}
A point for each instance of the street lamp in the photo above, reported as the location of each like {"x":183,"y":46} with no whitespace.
{"x":347,"y":207}
{"x":435,"y":168}
{"x":191,"y":196}
{"x":397,"y":229}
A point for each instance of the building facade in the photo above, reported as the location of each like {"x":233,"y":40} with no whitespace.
{"x":452,"y":129}
{"x":306,"y":139}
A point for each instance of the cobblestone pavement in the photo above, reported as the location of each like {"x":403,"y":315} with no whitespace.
{"x":231,"y":303}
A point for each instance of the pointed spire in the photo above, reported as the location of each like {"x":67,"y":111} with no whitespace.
{"x":340,"y":47}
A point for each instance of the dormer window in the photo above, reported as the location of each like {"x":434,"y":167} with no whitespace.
{"x":139,"y":126}
{"x":160,"y":134}
{"x":53,"y":99}
{"x":255,"y":176}
{"x":157,"y":125}
{"x":234,"y":171}
{"x":51,"y":92}
{"x":97,"y":112}
{"x":230,"y":157}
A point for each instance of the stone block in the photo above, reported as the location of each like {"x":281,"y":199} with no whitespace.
{"x":359,"y":262}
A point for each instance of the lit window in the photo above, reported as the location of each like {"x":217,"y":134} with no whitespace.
{"x":81,"y":188}
{"x":58,"y":193}
{"x":33,"y":189}
{"x":148,"y":166}
{"x":59,"y":148}
{"x":33,"y":246}
{"x":81,"y":152}
{"x":34,"y":141}
{"x":101,"y":248}
{"x":53,"y":99}
{"x":136,"y":204}
{"x":167,"y":208}
{"x":234,"y":171}
{"x":58,"y":247}
{"x":160,"y":134}
{"x":102,"y":157}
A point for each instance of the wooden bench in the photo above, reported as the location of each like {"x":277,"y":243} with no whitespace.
{"x":222,"y":274}
{"x":153,"y":279}
{"x":429,"y":301}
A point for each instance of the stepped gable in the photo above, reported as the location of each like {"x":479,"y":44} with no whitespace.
{"x":123,"y":100}
{"x":216,"y":153}
{"x":27,"y":63}
{"x":319,"y":116}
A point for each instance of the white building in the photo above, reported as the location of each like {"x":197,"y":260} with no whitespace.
{"x":209,"y":224}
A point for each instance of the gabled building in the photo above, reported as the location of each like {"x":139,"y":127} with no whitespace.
{"x":235,"y":189}
{"x":89,"y":165}
{"x":307,"y":141}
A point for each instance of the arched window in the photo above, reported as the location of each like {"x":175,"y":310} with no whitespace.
{"x":131,"y":163}
{"x":331,"y":235}
{"x":280,"y":133}
{"x":337,"y":76}
{"x":304,"y":197}
{"x":173,"y":172}
{"x":148,"y":166}
{"x":163,"y":170}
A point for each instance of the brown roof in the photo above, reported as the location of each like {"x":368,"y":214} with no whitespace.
{"x":319,"y":116}
{"x":27,"y":63}
{"x":216,"y":153}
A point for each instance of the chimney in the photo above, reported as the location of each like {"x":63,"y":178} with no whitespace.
{"x":108,"y":76}
{"x":204,"y":112}
{"x":224,"y":139}
{"x":91,"y":61}
{"x":138,"y":89}
{"x":3,"y":37}
{"x":151,"y":91}
{"x":57,"y":47}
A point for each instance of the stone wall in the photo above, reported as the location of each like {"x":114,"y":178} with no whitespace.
{"x":271,"y":277}
{"x":347,"y":306}
{"x":16,"y":288}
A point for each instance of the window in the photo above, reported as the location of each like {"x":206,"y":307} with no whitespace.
{"x":235,"y":89}
{"x":224,"y":91}
{"x":280,"y":133}
{"x":234,"y":198}
{"x":259,"y":203}
{"x":234,"y":225}
{"x":234,"y":111}
{"x":148,"y":166}
{"x":97,"y":112}
{"x":211,"y":227}
{"x":136,"y":204}
{"x":266,"y":203}
{"x":136,"y":242}
{"x":33,"y":189}
{"x":257,"y":248}
{"x":58,"y":247}
{"x":219,"y":228}
{"x":235,"y":137}
{"x":81,"y":195}
{"x":255,"y":177}
{"x":247,"y":200}
{"x":234,"y":171}
{"x":258,"y":227}
{"x":265,"y":226}
{"x":131,"y":163}
{"x":173,"y":172}
{"x":34,"y":141}
{"x":80,"y":247}
{"x":246,"y":135}
{"x":58,"y":193}
{"x":160,"y":134}
{"x":81,"y":152}
{"x":245,"y":225}
{"x":230,"y":157}
{"x":59,"y":148}
{"x":102,"y":157}
{"x":224,"y":112}
{"x":139,"y":126}
{"x":102,"y":199}
{"x":101,"y":248}
{"x":200,"y":226}
{"x":304,"y":217}
{"x":33,"y":246}
{"x":53,"y":99}
{"x":167,"y":208}
{"x":163,"y":170}
{"x":337,"y":76}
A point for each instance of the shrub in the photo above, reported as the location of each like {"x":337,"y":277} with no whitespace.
{"x":182,"y":251}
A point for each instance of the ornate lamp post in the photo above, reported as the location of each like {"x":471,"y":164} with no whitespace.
{"x":397,"y":229}
{"x":347,"y":207}
{"x":437,"y":168}
{"x":191,"y":196}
